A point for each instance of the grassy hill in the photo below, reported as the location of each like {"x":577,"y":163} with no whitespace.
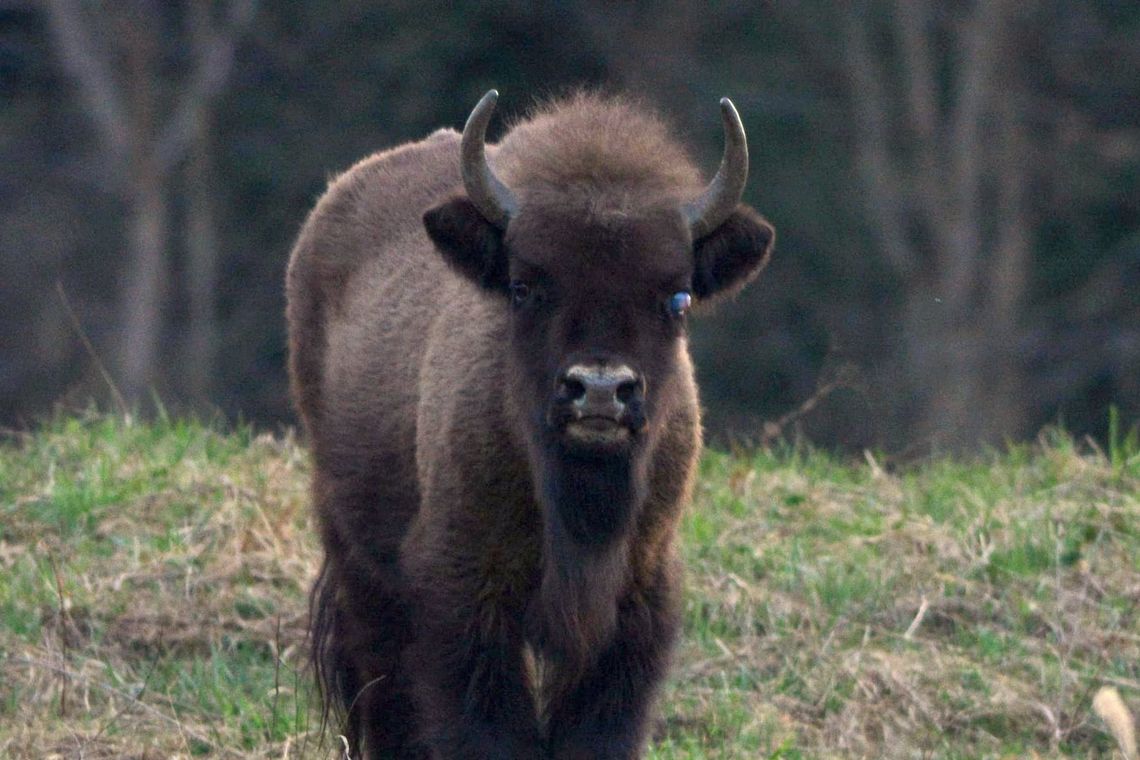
{"x":153,"y":581}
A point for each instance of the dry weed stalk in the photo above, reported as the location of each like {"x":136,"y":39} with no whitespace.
{"x":1108,"y":705}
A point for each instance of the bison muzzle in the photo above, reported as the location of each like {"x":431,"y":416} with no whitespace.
{"x":488,"y":351}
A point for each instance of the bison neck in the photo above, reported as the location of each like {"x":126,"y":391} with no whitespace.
{"x":589,"y":506}
{"x":593,"y":499}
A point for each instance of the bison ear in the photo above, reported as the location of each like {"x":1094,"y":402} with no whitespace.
{"x":732,"y":254}
{"x":470,"y":244}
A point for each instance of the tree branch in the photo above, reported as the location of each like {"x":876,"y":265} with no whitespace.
{"x":89,"y":66}
{"x":974,"y":91}
{"x":1007,"y":270}
{"x":214,"y":46}
{"x":912,"y":19}
{"x":872,"y":148}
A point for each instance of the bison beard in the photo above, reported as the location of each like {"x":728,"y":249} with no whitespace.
{"x":590,"y":503}
{"x":591,"y":499}
{"x":495,"y":382}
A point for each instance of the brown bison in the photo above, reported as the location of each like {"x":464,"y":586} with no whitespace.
{"x":488,"y":349}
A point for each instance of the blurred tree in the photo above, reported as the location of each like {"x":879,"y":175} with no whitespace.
{"x":944,"y":161}
{"x":954,"y":129}
{"x":146,"y":125}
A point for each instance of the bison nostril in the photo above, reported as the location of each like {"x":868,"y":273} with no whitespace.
{"x":627,"y":391}
{"x":573,"y":389}
{"x":598,"y":390}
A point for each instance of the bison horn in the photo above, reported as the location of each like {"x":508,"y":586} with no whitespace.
{"x":494,"y":200}
{"x":705,"y":213}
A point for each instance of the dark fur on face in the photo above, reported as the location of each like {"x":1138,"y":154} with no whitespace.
{"x":505,"y":429}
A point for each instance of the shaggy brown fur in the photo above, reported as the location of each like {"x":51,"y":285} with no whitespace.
{"x":493,"y":587}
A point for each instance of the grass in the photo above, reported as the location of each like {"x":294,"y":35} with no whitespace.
{"x":153,"y":581}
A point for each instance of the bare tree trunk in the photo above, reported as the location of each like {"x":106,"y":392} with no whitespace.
{"x":145,"y":277}
{"x":883,"y":183}
{"x":202,"y":267}
{"x":961,"y":410}
{"x":144,"y":287}
{"x":201,"y":229}
{"x":1009,"y":274}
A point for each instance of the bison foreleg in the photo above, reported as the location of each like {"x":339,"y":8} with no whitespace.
{"x":471,"y":688}
{"x":607,"y":712}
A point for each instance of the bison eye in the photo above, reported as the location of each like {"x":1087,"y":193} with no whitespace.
{"x":679,"y":304}
{"x":520,"y":293}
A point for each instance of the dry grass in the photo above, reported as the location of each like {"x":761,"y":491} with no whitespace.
{"x":153,"y":579}
{"x":153,"y":600}
{"x":954,"y":610}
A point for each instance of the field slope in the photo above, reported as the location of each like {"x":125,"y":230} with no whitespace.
{"x":153,"y":579}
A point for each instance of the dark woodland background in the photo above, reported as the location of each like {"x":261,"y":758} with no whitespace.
{"x":955,"y":186}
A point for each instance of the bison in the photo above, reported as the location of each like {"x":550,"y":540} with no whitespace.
{"x":488,"y":351}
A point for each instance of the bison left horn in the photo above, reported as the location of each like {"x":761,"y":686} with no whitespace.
{"x":705,"y":213}
{"x":494,"y":200}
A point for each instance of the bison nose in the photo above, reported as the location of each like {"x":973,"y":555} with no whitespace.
{"x":600,"y":390}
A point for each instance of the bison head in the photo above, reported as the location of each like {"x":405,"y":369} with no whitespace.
{"x":597,"y":272}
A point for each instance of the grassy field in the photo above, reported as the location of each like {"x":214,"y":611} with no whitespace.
{"x":153,"y":581}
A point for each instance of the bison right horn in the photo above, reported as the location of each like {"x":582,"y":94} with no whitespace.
{"x":705,"y":213}
{"x":494,"y":200}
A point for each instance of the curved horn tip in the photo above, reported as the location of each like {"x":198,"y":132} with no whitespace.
{"x":483,"y":109}
{"x":706,"y":212}
{"x":494,"y":200}
{"x":730,"y":115}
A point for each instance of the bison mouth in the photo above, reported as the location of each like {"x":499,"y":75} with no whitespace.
{"x":597,"y":431}
{"x":594,"y":434}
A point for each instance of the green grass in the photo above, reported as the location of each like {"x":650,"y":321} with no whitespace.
{"x":152,"y":587}
{"x":153,"y":581}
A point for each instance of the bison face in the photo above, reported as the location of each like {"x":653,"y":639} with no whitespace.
{"x":597,"y":309}
{"x":595,"y":324}
{"x":597,"y":270}
{"x":598,"y":302}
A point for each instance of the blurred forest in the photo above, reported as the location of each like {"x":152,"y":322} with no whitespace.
{"x":956,"y":188}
